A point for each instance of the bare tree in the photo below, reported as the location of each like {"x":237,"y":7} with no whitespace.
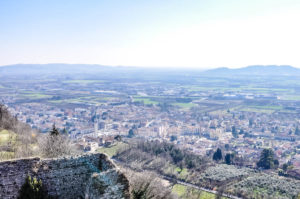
{"x":55,"y":144}
{"x":220,"y":192}
{"x":146,"y":185}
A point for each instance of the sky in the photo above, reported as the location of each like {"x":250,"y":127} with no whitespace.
{"x":151,"y":33}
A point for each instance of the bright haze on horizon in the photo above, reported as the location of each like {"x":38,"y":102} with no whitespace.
{"x":169,"y":33}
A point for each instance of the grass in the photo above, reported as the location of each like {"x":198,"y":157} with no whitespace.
{"x":145,"y":100}
{"x":257,"y":110}
{"x":179,"y":190}
{"x":5,"y":155}
{"x":184,"y":105}
{"x":260,"y":109}
{"x":290,"y":97}
{"x":184,"y":192}
{"x":83,"y":100}
{"x":36,"y":96}
{"x":5,"y":135}
{"x":253,"y":88}
{"x":275,"y":108}
{"x":111,"y":151}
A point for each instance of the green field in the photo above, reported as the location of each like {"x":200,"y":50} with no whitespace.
{"x":250,"y":88}
{"x":36,"y":96}
{"x":260,"y":109}
{"x":190,"y":193}
{"x":275,"y":108}
{"x":144,"y":100}
{"x":290,"y":97}
{"x":5,"y":135}
{"x":84,"y":100}
{"x":111,"y":151}
{"x":184,"y":105}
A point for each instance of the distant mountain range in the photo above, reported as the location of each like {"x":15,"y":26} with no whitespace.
{"x":258,"y":70}
{"x":87,"y":69}
{"x":32,"y":69}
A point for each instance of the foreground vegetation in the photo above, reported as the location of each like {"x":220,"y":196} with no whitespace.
{"x":168,"y":160}
{"x":19,"y":140}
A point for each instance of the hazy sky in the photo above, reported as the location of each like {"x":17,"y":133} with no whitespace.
{"x":177,"y":33}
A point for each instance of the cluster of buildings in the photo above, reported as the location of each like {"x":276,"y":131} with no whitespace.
{"x":245,"y":133}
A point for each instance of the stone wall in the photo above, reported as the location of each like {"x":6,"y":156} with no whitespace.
{"x":88,"y":176}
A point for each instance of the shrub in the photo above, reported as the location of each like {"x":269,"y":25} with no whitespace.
{"x":32,"y":189}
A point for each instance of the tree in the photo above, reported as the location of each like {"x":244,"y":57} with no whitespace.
{"x":234,"y":132}
{"x":227,"y":146}
{"x":285,"y":167}
{"x":297,"y":131}
{"x":250,"y":122}
{"x":229,"y":158}
{"x":56,"y":144}
{"x":173,"y":138}
{"x":54,"y":131}
{"x":267,"y":160}
{"x":131,"y":133}
{"x":217,"y":155}
{"x":32,"y":189}
{"x":220,"y":192}
{"x":65,"y":131}
{"x":147,"y":186}
{"x":241,"y":132}
{"x":118,"y":138}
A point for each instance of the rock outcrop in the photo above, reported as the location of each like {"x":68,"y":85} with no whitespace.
{"x":88,"y":176}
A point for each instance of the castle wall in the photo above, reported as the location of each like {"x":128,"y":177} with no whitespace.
{"x":67,"y":178}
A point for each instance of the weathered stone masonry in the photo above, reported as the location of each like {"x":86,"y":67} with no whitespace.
{"x":88,"y":176}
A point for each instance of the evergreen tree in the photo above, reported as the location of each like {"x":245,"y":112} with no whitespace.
{"x":65,"y":131}
{"x":241,"y":132}
{"x":297,"y":131}
{"x":234,"y":132}
{"x":54,"y":131}
{"x":285,"y":167}
{"x":130,"y":133}
{"x":250,"y":122}
{"x":229,"y":158}
{"x":173,"y":138}
{"x":267,"y":160}
{"x":218,"y":155}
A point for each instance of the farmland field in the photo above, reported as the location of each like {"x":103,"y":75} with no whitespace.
{"x":145,"y":100}
{"x":184,"y":192}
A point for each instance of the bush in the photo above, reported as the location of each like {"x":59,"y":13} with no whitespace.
{"x":32,"y":189}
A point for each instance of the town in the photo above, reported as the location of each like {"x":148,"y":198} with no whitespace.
{"x":199,"y":118}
